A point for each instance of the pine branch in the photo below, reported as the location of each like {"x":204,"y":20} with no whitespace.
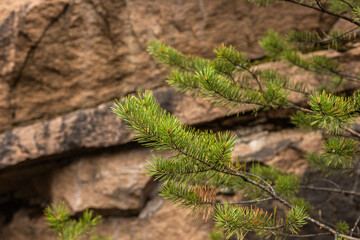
{"x":134,"y":110}
{"x":347,"y":3}
{"x":238,"y":60}
{"x":301,"y":235}
{"x":331,"y":190}
{"x":346,"y":37}
{"x":287,"y":204}
{"x":324,"y":11}
{"x":355,"y":225}
{"x":256,"y":201}
{"x":68,"y":229}
{"x":209,"y":154}
{"x":352,"y":132}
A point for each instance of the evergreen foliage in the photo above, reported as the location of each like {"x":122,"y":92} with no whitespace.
{"x":67,"y":228}
{"x":201,"y":165}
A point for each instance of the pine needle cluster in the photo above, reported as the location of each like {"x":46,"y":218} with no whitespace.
{"x":67,"y":228}
{"x":201,"y":165}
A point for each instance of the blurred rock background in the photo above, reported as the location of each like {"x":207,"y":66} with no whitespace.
{"x":62,"y":64}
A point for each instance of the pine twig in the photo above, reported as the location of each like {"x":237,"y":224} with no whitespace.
{"x":256,"y":201}
{"x":355,"y":225}
{"x":352,"y":132}
{"x":324,"y":11}
{"x":292,"y":105}
{"x":302,"y":235}
{"x":331,"y":190}
{"x":249,"y":71}
{"x":287,"y":204}
{"x":344,"y":37}
{"x":319,"y":4}
{"x":347,"y":3}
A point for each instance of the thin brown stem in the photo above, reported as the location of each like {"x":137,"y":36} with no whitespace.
{"x":324,"y":11}
{"x":227,"y":74}
{"x":287,"y":204}
{"x":296,"y":90}
{"x":256,"y":201}
{"x":342,"y":75}
{"x":319,"y":4}
{"x":302,"y":235}
{"x":347,"y":3}
{"x":254,"y":75}
{"x":354,"y":133}
{"x":292,"y":105}
{"x":272,"y":228}
{"x":80,"y":232}
{"x":256,"y":176}
{"x":233,"y":99}
{"x":331,"y":190}
{"x":355,"y":225}
{"x":344,"y":37}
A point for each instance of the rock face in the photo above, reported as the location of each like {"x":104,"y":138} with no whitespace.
{"x":58,"y":56}
{"x":63,"y":62}
{"x":105,"y":181}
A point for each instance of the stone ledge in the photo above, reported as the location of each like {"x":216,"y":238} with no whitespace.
{"x":91,"y":128}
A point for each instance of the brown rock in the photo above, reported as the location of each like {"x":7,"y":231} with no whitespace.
{"x":27,"y":226}
{"x":97,"y":127}
{"x":58,"y":55}
{"x":284,"y":149}
{"x":264,"y":145}
{"x":92,"y":128}
{"x":111,"y":182}
{"x":167,"y":223}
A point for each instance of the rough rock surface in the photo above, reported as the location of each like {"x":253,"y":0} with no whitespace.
{"x":58,"y":55}
{"x":62,"y":62}
{"x":167,"y":222}
{"x":84,"y":159}
{"x":109,"y":181}
{"x":92,"y":128}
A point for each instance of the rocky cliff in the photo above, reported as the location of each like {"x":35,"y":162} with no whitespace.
{"x":62,"y":64}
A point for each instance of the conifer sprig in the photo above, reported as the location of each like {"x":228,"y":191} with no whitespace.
{"x":195,"y":172}
{"x":336,"y":8}
{"x":228,"y":81}
{"x":197,"y":198}
{"x":183,"y":191}
{"x":332,"y":113}
{"x":238,"y":221}
{"x":171,"y":57}
{"x":156,"y":127}
{"x":310,"y":41}
{"x":69,"y":229}
{"x":278,"y":47}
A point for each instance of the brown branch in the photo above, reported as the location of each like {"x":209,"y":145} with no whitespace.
{"x":324,"y":11}
{"x":319,"y":4}
{"x":292,"y":105}
{"x":289,"y":205}
{"x":296,"y":90}
{"x":347,"y":3}
{"x":303,"y":235}
{"x":343,"y":37}
{"x":331,"y":190}
{"x":252,"y":201}
{"x":245,"y":178}
{"x":233,"y":99}
{"x":249,"y":71}
{"x":355,"y":224}
{"x":354,"y":133}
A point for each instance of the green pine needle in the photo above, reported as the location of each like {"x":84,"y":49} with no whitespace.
{"x":66,"y":228}
{"x":330,"y":112}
